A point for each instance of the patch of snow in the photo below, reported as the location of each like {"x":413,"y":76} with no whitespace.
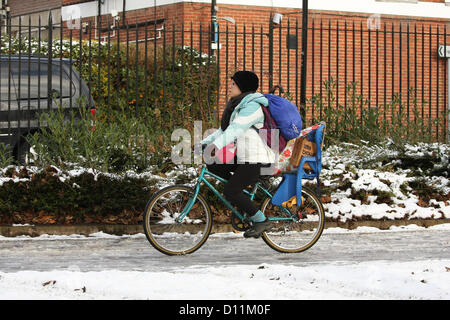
{"x":361,"y":281}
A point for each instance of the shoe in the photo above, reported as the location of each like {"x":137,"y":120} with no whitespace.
{"x":257,"y":229}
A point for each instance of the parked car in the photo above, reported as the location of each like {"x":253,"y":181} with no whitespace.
{"x":25,"y":92}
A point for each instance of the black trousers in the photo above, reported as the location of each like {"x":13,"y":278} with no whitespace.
{"x":244,"y":175}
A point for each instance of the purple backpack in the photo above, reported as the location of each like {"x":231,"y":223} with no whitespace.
{"x":269,"y":125}
{"x":283,"y":115}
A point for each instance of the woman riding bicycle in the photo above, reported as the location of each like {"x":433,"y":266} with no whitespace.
{"x":240,"y":120}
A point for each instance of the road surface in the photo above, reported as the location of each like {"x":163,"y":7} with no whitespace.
{"x":134,"y":253}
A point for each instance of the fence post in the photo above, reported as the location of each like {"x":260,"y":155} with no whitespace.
{"x":49,"y":65}
{"x":304,"y":59}
{"x":271,"y":52}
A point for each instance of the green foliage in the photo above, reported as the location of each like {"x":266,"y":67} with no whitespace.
{"x":45,"y":191}
{"x":6,"y":157}
{"x":357,"y":121}
{"x":107,"y":141}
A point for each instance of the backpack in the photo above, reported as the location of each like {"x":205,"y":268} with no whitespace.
{"x":283,"y":115}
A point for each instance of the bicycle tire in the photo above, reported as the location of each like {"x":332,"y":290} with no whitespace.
{"x":163,"y":232}
{"x":311,"y":209}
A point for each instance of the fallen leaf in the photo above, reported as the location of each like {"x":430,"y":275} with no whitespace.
{"x":48,"y":282}
{"x":422,"y":203}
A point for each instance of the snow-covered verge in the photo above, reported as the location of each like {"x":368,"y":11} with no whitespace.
{"x":358,"y":182}
{"x":384,"y":183}
{"x":368,"y":280}
{"x":376,"y":279}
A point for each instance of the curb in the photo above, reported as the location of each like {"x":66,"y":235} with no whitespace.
{"x":86,"y":230}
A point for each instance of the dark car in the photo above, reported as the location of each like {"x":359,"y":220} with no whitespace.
{"x":25,"y":92}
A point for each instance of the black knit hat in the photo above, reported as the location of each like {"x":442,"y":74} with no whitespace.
{"x":246,"y":81}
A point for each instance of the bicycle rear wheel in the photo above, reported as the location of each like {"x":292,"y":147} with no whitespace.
{"x":291,"y":236}
{"x":165,"y":232}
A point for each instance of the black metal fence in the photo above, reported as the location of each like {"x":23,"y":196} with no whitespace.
{"x":394,"y":66}
{"x":174,"y":71}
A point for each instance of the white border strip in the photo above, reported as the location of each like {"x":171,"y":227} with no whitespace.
{"x":420,"y":9}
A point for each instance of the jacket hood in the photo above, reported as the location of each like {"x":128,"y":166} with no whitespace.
{"x":257,"y":97}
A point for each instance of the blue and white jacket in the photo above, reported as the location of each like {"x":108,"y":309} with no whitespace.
{"x":250,"y":146}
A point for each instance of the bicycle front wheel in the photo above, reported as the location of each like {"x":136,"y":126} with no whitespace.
{"x":292,"y":236}
{"x":166,"y":228}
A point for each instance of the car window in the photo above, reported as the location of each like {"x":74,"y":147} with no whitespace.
{"x":4,"y":83}
{"x":32,"y":73}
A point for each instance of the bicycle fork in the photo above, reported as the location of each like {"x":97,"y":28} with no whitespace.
{"x":189,"y":204}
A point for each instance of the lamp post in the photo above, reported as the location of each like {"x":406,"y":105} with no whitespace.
{"x":444,"y":52}
{"x":271,"y":26}
{"x":214,"y":26}
{"x":304,"y":58}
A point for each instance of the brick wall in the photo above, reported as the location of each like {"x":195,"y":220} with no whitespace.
{"x":396,"y":57}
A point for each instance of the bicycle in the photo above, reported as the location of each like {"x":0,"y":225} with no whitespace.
{"x":178,"y":219}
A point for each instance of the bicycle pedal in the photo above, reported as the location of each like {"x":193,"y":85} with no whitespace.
{"x":240,"y":225}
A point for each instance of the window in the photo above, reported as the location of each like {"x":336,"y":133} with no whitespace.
{"x":35,"y":80}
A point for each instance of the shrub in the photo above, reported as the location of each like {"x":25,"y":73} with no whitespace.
{"x":47,"y":192}
{"x":359,"y":122}
{"x":106,"y":141}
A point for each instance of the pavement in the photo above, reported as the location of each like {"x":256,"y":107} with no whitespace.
{"x":134,"y":253}
{"x":116,"y":229}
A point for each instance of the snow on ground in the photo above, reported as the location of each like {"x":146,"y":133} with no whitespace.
{"x":369,"y":280}
{"x":428,"y":279}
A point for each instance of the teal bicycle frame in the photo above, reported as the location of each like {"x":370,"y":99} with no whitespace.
{"x":201,"y":179}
